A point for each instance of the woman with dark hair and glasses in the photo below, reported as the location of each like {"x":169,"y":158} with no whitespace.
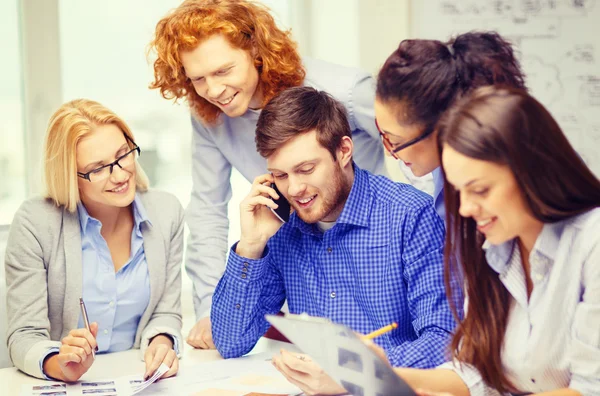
{"x":421,"y":80}
{"x":527,"y":227}
{"x":99,"y":235}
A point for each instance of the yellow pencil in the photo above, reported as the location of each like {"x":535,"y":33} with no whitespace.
{"x":381,"y":331}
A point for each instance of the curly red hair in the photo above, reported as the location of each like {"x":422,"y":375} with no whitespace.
{"x":246,"y":25}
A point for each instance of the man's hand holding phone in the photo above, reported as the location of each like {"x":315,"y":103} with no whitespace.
{"x":257,"y":221}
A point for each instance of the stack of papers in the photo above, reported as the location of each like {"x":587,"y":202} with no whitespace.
{"x":138,"y":385}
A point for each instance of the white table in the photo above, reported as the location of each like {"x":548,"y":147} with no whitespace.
{"x":128,"y":363}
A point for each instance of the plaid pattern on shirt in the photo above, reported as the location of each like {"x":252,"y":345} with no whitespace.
{"x":382,"y":262}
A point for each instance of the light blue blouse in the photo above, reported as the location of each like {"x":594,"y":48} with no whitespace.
{"x":116,"y":300}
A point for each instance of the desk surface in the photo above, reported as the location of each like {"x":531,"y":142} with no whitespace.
{"x":125,"y":363}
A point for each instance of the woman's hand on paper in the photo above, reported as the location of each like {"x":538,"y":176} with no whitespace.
{"x":75,"y":356}
{"x":200,"y":335}
{"x":160,"y":351}
{"x":301,"y":371}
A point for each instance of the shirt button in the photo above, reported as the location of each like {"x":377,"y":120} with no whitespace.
{"x":246,"y":264}
{"x":332,"y":294}
{"x":245,"y":269}
{"x":329,"y":250}
{"x":539,"y":277}
{"x":237,"y":306}
{"x":105,"y":331}
{"x":243,"y":276}
{"x":111,"y":304}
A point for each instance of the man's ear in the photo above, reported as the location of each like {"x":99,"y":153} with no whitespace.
{"x":345,"y":151}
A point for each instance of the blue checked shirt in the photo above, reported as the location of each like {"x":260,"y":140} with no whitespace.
{"x":380,"y":263}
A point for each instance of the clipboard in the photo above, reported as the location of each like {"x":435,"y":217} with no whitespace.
{"x":342,"y":354}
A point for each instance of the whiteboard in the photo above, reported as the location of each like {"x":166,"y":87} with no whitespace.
{"x":558,"y":45}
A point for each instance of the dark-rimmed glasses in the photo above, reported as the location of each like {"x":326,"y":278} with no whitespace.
{"x":104,"y":172}
{"x":393,"y":150}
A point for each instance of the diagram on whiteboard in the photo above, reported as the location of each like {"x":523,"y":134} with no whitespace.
{"x":558,"y":44}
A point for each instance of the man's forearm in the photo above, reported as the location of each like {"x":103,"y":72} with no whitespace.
{"x":251,"y":250}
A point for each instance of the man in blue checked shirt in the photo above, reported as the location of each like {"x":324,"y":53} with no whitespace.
{"x":358,"y":249}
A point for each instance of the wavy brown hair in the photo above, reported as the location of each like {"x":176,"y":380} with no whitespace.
{"x":509,"y":127}
{"x":246,"y":25}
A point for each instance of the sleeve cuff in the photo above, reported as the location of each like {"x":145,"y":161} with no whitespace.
{"x":34,"y":359}
{"x":151,"y":333}
{"x":585,"y":385}
{"x":471,"y":377}
{"x":244,"y":269}
{"x":44,"y":356}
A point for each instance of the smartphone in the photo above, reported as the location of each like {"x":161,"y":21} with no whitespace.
{"x":283,"y":209}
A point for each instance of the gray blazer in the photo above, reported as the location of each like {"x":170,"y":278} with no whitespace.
{"x":44,"y":276}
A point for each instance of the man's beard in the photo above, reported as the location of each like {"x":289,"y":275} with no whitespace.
{"x":331,"y":199}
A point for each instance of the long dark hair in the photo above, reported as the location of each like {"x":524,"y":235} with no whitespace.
{"x":505,"y":126}
{"x":428,"y":76}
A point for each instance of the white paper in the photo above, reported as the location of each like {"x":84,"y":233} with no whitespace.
{"x":137,"y":387}
{"x":232,"y":377}
{"x":122,"y":386}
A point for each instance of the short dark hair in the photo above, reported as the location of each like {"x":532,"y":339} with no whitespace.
{"x":426,"y":77}
{"x":299,"y":110}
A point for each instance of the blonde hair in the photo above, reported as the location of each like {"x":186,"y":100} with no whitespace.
{"x":68,"y":125}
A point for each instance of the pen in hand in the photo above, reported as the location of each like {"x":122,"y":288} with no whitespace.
{"x":383,"y":330}
{"x":86,"y":321}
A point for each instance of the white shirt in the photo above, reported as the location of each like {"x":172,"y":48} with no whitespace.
{"x":552,"y":341}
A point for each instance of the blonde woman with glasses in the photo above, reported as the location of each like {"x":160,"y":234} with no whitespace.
{"x":99,"y":234}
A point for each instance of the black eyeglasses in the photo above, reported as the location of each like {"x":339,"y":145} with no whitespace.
{"x":104,"y":172}
{"x":393,"y":150}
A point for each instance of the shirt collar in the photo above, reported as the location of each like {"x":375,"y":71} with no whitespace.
{"x":139,"y":216}
{"x":438,"y":183}
{"x":547,"y":242}
{"x":498,"y":256}
{"x":354,"y":212}
{"x":139,"y":213}
{"x":85,"y":218}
